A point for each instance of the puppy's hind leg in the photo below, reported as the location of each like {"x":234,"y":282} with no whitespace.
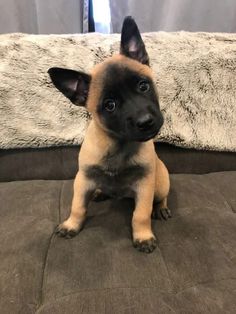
{"x":83,"y":190}
{"x":162,"y":186}
{"x":160,"y":210}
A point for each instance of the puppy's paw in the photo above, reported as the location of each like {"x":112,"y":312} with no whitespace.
{"x":65,"y":231}
{"x":146,"y":246}
{"x":161,"y":213}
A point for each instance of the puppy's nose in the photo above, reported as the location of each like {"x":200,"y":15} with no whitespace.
{"x":145,"y":122}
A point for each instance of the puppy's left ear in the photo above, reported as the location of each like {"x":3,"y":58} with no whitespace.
{"x":73,"y":84}
{"x":132,"y":45}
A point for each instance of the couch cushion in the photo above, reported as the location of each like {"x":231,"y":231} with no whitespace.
{"x":99,"y":271}
{"x":28,"y":213}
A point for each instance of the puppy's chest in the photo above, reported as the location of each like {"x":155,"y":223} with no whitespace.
{"x":116,"y":175}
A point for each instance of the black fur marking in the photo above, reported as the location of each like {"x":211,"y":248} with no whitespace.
{"x":146,"y":246}
{"x":65,"y":233}
{"x":132,"y":44}
{"x":116,"y":174}
{"x":100,"y":197}
{"x":73,"y":84}
{"x":121,"y":84}
{"x":116,"y":182}
{"x":161,"y":213}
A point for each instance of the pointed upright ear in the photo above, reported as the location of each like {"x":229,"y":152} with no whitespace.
{"x":132,"y":45}
{"x":73,"y":84}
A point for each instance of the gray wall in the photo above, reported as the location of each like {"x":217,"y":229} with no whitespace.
{"x":41,"y":16}
{"x":67,"y":16}
{"x":175,"y":15}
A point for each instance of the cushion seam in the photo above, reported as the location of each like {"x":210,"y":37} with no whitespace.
{"x":41,"y":293}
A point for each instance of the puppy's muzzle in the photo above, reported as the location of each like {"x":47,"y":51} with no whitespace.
{"x":145,"y":123}
{"x":147,"y":126}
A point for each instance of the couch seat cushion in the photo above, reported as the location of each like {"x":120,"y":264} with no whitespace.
{"x":192,"y":270}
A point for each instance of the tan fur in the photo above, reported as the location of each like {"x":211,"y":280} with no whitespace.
{"x":162,"y":185}
{"x":141,"y":222}
{"x":153,"y":187}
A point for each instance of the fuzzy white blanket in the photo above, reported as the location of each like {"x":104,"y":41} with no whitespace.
{"x":195,"y":74}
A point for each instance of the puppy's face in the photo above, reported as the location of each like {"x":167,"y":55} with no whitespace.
{"x":123,"y":99}
{"x":120,"y":92}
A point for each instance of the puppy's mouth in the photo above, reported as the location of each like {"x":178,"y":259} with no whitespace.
{"x":135,"y":135}
{"x":147,"y":137}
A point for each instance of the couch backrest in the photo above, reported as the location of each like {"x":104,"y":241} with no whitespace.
{"x":61,"y":163}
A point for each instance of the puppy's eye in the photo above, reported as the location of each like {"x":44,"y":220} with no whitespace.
{"x":143,"y":86}
{"x":109,"y":105}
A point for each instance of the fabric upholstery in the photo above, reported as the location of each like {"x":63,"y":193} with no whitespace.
{"x":194,"y":73}
{"x":60,"y":163}
{"x":193,"y":270}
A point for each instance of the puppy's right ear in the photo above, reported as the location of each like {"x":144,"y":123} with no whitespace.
{"x":73,"y":84}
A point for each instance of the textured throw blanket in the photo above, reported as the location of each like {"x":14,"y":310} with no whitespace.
{"x":195,"y":74}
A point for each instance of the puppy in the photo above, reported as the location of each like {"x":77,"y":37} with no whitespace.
{"x":117,"y":156}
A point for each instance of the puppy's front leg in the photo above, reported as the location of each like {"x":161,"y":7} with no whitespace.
{"x":143,"y":237}
{"x":83,"y":190}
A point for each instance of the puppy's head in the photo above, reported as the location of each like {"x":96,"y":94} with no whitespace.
{"x":119,"y":92}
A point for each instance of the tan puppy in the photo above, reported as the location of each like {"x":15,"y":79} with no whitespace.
{"x":117,"y":156}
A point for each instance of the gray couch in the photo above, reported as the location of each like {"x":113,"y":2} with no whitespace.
{"x":193,"y":270}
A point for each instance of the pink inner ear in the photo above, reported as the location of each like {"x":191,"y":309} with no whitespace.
{"x":72,"y":85}
{"x":133,"y":45}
